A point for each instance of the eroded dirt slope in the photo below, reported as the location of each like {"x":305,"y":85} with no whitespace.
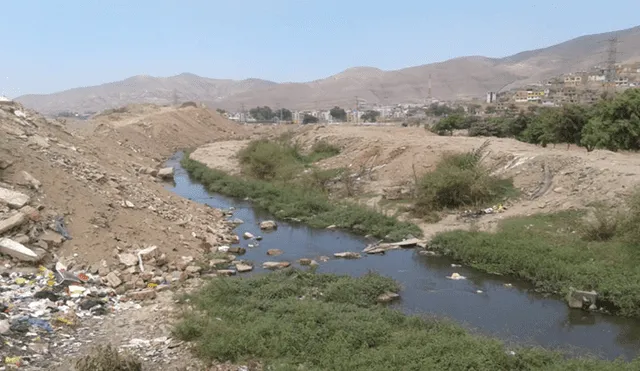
{"x":100,"y":178}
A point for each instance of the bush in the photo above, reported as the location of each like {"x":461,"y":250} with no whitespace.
{"x":279,"y":159}
{"x":460,"y":180}
{"x":107,"y":358}
{"x":296,"y":320}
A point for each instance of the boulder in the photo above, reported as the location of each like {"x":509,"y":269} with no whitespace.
{"x":193,"y":270}
{"x":579,"y":299}
{"x":275,"y":265}
{"x":305,"y":261}
{"x":166,"y":173}
{"x":13,"y":199}
{"x":237,"y":250}
{"x":274,"y":252}
{"x":268,"y":225}
{"x":17,"y":250}
{"x":243,"y":268}
{"x":225,"y":272}
{"x":248,"y":235}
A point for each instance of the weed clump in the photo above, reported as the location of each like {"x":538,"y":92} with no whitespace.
{"x":293,"y":320}
{"x":107,"y":358}
{"x":460,"y":180}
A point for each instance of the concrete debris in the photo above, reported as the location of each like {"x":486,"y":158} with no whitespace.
{"x":13,"y":199}
{"x":128,"y":259}
{"x":12,"y":222}
{"x":347,"y":255}
{"x":579,"y":299}
{"x":388,"y":297}
{"x":17,"y":250}
{"x":31,"y":181}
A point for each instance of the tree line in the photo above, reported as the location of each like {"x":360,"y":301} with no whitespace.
{"x":613,"y":123}
{"x":265,"y":113}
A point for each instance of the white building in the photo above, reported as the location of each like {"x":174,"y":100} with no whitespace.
{"x":491,"y":97}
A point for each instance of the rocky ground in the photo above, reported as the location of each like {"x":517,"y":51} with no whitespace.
{"x":91,"y":244}
{"x":388,"y":159}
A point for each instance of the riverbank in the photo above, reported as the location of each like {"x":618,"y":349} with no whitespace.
{"x":552,"y":251}
{"x":290,"y":201}
{"x":294,"y":319}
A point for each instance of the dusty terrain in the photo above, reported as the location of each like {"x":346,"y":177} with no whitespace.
{"x":551,"y":179}
{"x":101,"y":179}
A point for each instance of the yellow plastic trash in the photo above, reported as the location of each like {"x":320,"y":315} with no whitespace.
{"x":12,"y":360}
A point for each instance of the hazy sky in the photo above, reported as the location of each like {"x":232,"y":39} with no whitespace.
{"x":49,"y":45}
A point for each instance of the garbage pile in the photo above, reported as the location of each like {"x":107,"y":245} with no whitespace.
{"x":40,"y":308}
{"x":478,"y":213}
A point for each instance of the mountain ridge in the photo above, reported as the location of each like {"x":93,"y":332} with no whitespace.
{"x":457,"y":78}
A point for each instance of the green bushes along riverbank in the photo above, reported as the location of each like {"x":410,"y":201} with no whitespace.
{"x":558,"y":251}
{"x":272,"y":186}
{"x":293,"y":320}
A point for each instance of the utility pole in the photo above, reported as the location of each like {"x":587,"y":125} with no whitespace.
{"x":357,"y":109}
{"x":243,"y":116}
{"x":175,"y":97}
{"x":429,"y":89}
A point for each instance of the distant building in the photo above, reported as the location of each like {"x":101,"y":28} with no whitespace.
{"x":491,"y":97}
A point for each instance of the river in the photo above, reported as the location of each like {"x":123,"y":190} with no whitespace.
{"x":481,"y":303}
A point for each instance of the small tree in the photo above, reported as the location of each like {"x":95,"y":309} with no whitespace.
{"x":309,"y":119}
{"x":370,"y":116}
{"x":338,"y":113}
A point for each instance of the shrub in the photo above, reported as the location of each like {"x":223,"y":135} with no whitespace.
{"x":460,"y":180}
{"x":107,"y":358}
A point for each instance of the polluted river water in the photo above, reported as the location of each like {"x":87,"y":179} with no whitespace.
{"x":491,"y":305}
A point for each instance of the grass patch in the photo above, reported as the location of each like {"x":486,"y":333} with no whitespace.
{"x":107,"y":358}
{"x":556,"y":251}
{"x":290,"y":200}
{"x":294,"y":320}
{"x":460,"y":180}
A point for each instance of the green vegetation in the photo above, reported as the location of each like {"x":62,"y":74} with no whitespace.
{"x":309,"y":119}
{"x":279,"y":159}
{"x":370,"y":116}
{"x":596,"y":251}
{"x":107,"y":358}
{"x":274,"y":183}
{"x":460,"y":180}
{"x":613,"y":124}
{"x":293,"y":320}
{"x":338,"y":113}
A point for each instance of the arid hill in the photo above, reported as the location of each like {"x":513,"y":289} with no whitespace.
{"x":457,"y":78}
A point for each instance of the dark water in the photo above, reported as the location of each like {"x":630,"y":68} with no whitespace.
{"x":515,"y":314}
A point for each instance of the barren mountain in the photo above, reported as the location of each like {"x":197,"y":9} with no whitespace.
{"x":453,"y":79}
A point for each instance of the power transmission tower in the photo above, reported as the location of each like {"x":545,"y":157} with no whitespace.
{"x":612,"y":53}
{"x":357,"y":109}
{"x":429,"y":97}
{"x":243,"y":115}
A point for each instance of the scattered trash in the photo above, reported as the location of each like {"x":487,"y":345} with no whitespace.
{"x":507,"y":285}
{"x":479,"y":291}
{"x":456,"y":265}
{"x":61,"y":228}
{"x":456,"y":277}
